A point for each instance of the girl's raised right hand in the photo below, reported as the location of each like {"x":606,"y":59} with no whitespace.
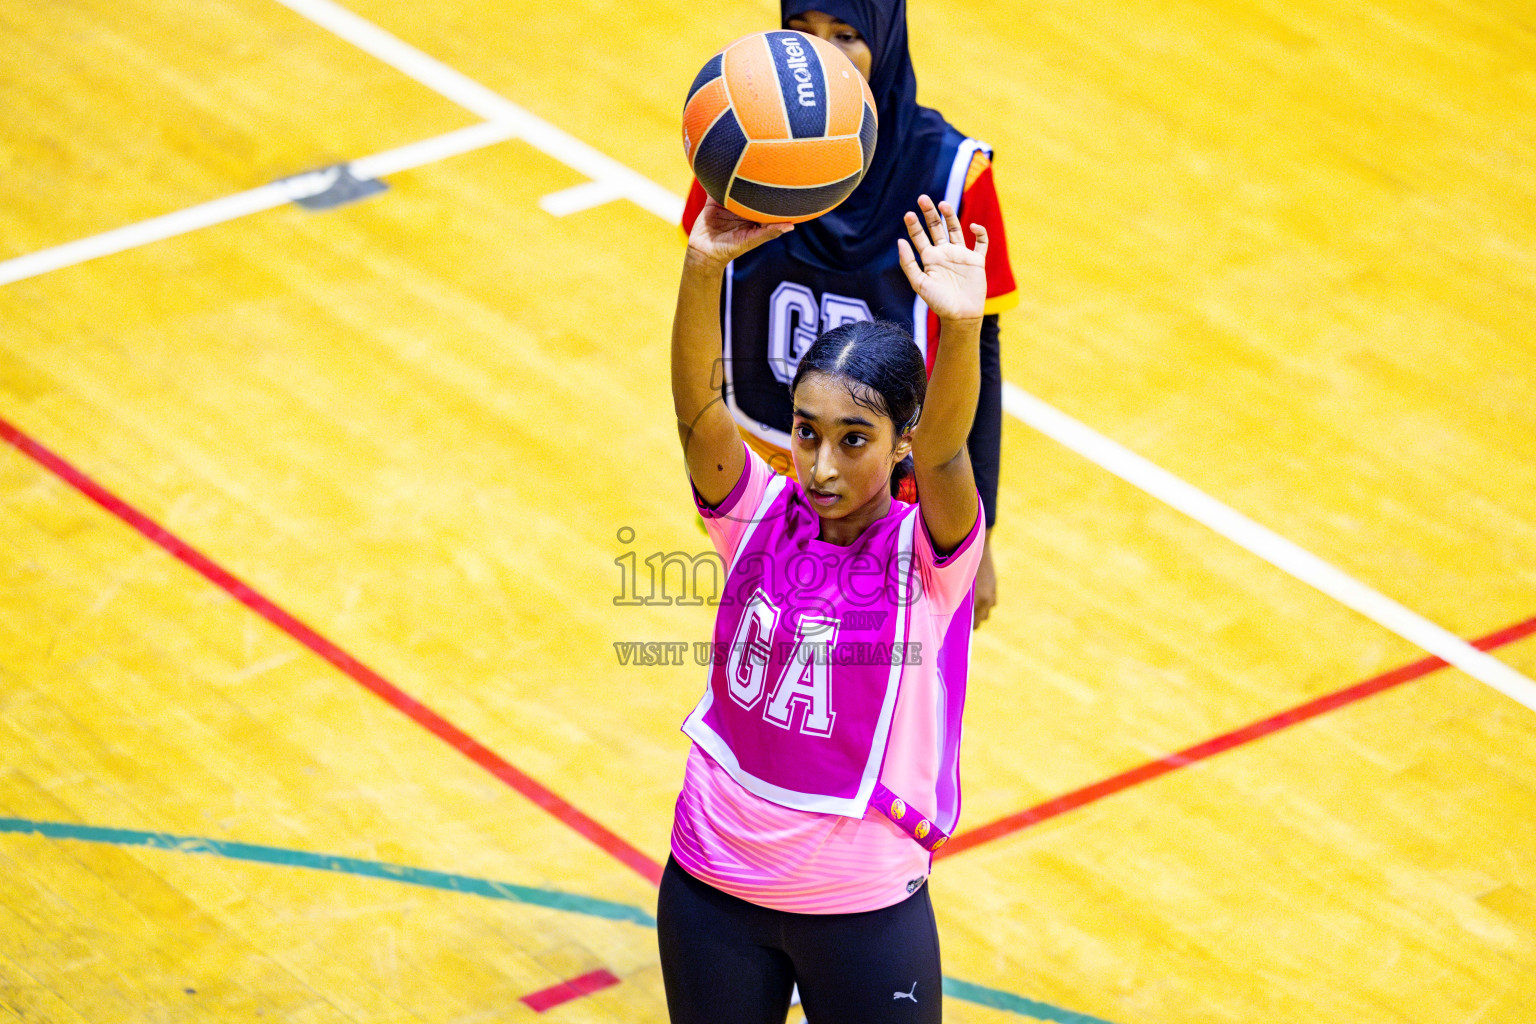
{"x":720,"y":236}
{"x":951,"y":279}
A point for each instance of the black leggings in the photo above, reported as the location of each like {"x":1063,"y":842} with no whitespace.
{"x":727,"y":961}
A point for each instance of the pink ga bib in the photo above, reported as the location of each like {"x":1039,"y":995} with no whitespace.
{"x":810,"y":643}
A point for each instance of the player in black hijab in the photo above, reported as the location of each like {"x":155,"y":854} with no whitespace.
{"x":906,"y":148}
{"x":842,"y":265}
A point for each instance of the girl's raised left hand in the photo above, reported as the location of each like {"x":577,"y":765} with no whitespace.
{"x":720,"y":236}
{"x":952,"y":279}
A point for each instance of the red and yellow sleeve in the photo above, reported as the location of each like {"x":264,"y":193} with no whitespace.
{"x":979,"y":205}
{"x":693,"y":205}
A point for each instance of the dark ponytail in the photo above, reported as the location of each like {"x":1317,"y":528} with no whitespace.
{"x":882,"y":368}
{"x":900,"y":473}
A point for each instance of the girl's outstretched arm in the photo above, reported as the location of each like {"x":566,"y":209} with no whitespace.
{"x":711,"y":447}
{"x":952,"y":280}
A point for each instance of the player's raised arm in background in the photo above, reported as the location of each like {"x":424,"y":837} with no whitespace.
{"x":952,"y":280}
{"x":711,"y":446}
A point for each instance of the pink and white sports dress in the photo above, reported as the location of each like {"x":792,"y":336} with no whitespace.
{"x":833,"y":706}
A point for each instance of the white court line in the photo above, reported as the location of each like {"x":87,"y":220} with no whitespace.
{"x":580,"y":197}
{"x":428,"y":151}
{"x":492,"y":106}
{"x":242,"y":204}
{"x":1267,"y":544}
{"x":172,"y":224}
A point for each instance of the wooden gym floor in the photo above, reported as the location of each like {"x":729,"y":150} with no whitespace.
{"x":310,"y":521}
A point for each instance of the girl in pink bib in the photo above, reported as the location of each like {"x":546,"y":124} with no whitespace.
{"x":825,"y":765}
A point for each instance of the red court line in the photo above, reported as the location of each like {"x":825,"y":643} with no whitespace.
{"x":549,"y":998}
{"x":1226,"y":741}
{"x":356,"y":670}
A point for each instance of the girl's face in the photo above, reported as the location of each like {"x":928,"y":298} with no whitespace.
{"x":840,"y":34}
{"x":843,"y":452}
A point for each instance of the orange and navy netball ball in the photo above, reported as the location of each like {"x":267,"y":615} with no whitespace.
{"x":779,"y":126}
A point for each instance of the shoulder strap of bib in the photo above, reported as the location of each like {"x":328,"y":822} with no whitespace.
{"x":916,"y":825}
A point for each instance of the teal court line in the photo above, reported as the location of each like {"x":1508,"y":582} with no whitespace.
{"x":1000,"y":1000}
{"x":553,"y":899}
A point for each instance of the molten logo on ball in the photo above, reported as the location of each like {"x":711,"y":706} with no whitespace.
{"x":797,"y":65}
